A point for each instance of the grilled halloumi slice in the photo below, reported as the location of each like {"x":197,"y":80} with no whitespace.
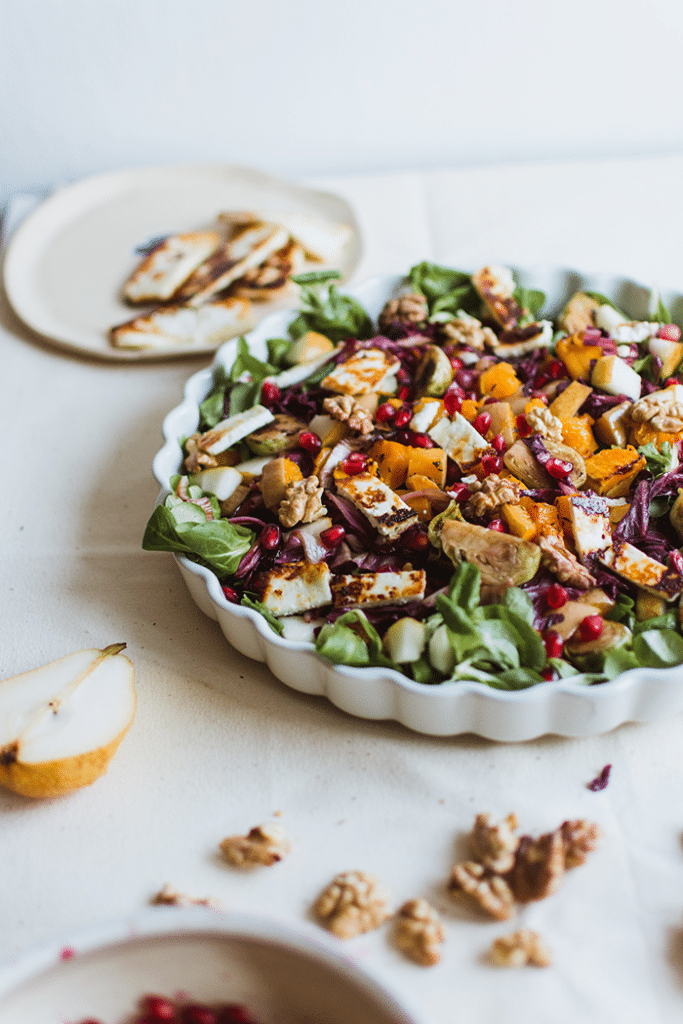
{"x":271,"y":280}
{"x":163,"y":271}
{"x":248,"y":247}
{"x":496,"y":287}
{"x":180,"y":326}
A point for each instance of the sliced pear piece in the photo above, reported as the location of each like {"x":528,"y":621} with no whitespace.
{"x":61,"y":724}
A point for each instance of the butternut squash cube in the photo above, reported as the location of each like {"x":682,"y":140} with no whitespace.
{"x":499,"y":381}
{"x":578,"y":434}
{"x":429,"y":462}
{"x":612,"y":471}
{"x":392,"y":461}
{"x":519,"y":521}
{"x":577,"y":357}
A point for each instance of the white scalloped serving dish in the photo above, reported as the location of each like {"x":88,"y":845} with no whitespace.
{"x":282,"y":973}
{"x":448,"y":709}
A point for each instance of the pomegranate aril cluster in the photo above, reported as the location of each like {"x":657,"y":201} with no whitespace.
{"x":155,"y":1009}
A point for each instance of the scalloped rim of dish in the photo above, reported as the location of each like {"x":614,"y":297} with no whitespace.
{"x":449,"y":709}
{"x":308,"y":940}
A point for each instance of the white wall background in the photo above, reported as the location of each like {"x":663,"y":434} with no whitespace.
{"x":307,"y":87}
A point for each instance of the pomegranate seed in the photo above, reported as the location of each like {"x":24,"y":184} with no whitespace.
{"x":590,"y":628}
{"x":333,"y":536}
{"x":230,"y":595}
{"x":482,"y":422}
{"x":452,"y":400}
{"x":522,"y":424}
{"x":554,"y":644}
{"x":465,"y":378}
{"x":235,"y":1014}
{"x":385,"y":412}
{"x":491,"y":400}
{"x":310,"y":442}
{"x":676,"y":561}
{"x":270,"y":537}
{"x":670,"y":381}
{"x":402,"y":376}
{"x":403,"y":418}
{"x":270,"y":393}
{"x":556,"y":369}
{"x":498,"y":525}
{"x":670,"y":332}
{"x":498,"y":444}
{"x":456,"y":364}
{"x":559,"y":469}
{"x":422,"y":441}
{"x":403,"y":437}
{"x":460,"y":492}
{"x":492,"y":464}
{"x":548,"y":674}
{"x":557,"y":596}
{"x":541,"y":379}
{"x":355,"y":463}
{"x":159,"y":1008}
{"x":471,"y":396}
{"x":403,"y":393}
{"x":420,"y":542}
{"x":196,"y":1014}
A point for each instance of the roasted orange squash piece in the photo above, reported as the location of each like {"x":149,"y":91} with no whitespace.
{"x":576,"y":356}
{"x":519,"y":521}
{"x":577,"y":432}
{"x":430,"y":462}
{"x":499,"y":381}
{"x":612,"y":471}
{"x":392,"y":461}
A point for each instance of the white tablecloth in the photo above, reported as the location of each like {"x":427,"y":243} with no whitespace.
{"x":220,"y":745}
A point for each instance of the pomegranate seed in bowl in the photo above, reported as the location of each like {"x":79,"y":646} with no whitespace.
{"x":554,"y":644}
{"x":270,"y":393}
{"x":556,"y":596}
{"x":591,"y":628}
{"x":482,"y":422}
{"x":452,"y":400}
{"x":492,"y":464}
{"x":355,"y":463}
{"x":385,"y":413}
{"x":310,"y":442}
{"x":271,"y":536}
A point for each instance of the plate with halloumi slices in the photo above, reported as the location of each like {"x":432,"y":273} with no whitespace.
{"x":163,"y":262}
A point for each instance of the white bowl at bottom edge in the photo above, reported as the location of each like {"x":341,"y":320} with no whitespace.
{"x":281,"y":972}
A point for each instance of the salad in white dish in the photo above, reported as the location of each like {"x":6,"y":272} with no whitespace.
{"x":460,"y":491}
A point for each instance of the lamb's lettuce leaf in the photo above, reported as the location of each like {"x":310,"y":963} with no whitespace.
{"x":184,"y":528}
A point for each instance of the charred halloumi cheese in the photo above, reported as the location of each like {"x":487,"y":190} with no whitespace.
{"x":248,"y":247}
{"x":458,"y":438}
{"x":231,"y":430}
{"x":163,"y":271}
{"x":271,"y":280}
{"x":647,"y":573}
{"x":379,"y":504}
{"x":296,"y":587}
{"x":496,"y":287}
{"x":362,"y":373}
{"x":590,"y":526}
{"x":378,"y":588}
{"x":518,"y":341}
{"x":180,"y":326}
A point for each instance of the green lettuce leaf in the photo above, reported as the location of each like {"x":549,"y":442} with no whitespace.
{"x":214,"y":543}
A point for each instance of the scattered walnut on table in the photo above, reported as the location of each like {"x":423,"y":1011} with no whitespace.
{"x":263,"y":845}
{"x":539,"y":867}
{"x":489,"y":890}
{"x":580,"y":838}
{"x":519,"y":949}
{"x":494,"y":844}
{"x":410,"y":309}
{"x":302,"y":502}
{"x":170,"y":897}
{"x":353,"y":903}
{"x":419,"y":932}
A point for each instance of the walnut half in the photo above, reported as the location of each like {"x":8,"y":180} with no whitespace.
{"x":489,"y":890}
{"x":494,"y":844}
{"x":353,"y":903}
{"x":519,"y":949}
{"x":419,"y":932}
{"x":263,"y":845}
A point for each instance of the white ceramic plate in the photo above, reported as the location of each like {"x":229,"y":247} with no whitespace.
{"x":66,"y":263}
{"x":451,"y":708}
{"x":283,"y":974}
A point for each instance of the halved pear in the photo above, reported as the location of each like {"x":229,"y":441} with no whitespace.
{"x":61,"y":724}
